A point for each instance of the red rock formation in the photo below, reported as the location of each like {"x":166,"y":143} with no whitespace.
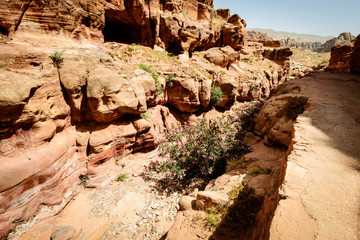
{"x":345,"y":57}
{"x":340,"y":58}
{"x":174,"y":25}
{"x":355,"y":57}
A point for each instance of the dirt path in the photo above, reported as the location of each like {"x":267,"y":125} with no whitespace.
{"x":322,"y":184}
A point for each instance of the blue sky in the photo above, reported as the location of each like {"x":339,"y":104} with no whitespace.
{"x":319,"y":17}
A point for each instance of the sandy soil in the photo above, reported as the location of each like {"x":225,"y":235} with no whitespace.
{"x":321,"y":191}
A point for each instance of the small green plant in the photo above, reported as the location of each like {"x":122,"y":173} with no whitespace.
{"x":131,"y":49}
{"x":122,"y":177}
{"x":295,"y":106}
{"x":251,"y":60}
{"x":57,"y":59}
{"x":83,"y":180}
{"x":254,"y":170}
{"x":235,"y":190}
{"x":112,"y":55}
{"x":282,"y":91}
{"x":272,"y":71}
{"x":270,"y":66}
{"x":215,"y":188}
{"x":146,"y":68}
{"x":239,"y":77}
{"x":222,"y":72}
{"x":253,"y":87}
{"x":213,"y":218}
{"x":216,"y":95}
{"x":209,"y":76}
{"x":170,"y":79}
{"x":145,"y":116}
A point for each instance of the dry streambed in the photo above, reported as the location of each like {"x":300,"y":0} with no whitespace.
{"x":237,"y":205}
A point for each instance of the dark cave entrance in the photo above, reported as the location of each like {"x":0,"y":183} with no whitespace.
{"x":118,"y":31}
{"x":3,"y":31}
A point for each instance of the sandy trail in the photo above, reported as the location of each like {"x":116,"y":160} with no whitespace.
{"x":321,"y":189}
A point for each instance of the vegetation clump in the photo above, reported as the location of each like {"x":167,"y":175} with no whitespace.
{"x":83,"y":180}
{"x":57,"y":59}
{"x":216,"y":95}
{"x":170,"y":79}
{"x":122,"y":177}
{"x":295,"y":106}
{"x":201,"y":149}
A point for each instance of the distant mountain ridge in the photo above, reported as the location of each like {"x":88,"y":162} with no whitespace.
{"x":278,"y":35}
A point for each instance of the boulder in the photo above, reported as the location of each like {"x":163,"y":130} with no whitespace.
{"x":223,"y":13}
{"x":184,"y":94}
{"x":229,"y":88}
{"x":187,"y":203}
{"x":110,"y":96}
{"x":222,"y":56}
{"x":208,"y":199}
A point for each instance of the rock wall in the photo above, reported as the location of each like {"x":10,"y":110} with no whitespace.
{"x":177,"y":26}
{"x":345,"y":57}
{"x":56,"y":123}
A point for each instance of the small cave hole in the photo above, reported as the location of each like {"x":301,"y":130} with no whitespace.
{"x":4,"y":31}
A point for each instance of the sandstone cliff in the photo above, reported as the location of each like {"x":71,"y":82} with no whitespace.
{"x":69,"y":103}
{"x":345,"y":57}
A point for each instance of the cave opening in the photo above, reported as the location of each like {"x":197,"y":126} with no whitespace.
{"x":3,"y":31}
{"x":175,"y":47}
{"x":118,"y":31}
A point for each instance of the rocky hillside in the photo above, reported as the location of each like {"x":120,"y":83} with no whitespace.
{"x":318,"y":46}
{"x":70,"y":103}
{"x":278,"y":35}
{"x":304,"y":45}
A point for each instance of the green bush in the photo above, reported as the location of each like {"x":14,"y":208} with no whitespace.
{"x":57,"y":59}
{"x":295,"y":106}
{"x":216,"y":95}
{"x":201,"y":150}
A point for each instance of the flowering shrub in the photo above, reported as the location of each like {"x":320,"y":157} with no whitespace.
{"x":201,"y":149}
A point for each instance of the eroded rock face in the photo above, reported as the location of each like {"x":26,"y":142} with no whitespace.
{"x":355,"y":57}
{"x":345,"y":57}
{"x":42,"y":150}
{"x":222,"y":56}
{"x":174,"y":25}
{"x":76,"y":19}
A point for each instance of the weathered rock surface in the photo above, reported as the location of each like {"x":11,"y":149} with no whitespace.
{"x":174,"y":25}
{"x":222,"y":56}
{"x":320,"y":188}
{"x":345,"y":57}
{"x":63,"y":121}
